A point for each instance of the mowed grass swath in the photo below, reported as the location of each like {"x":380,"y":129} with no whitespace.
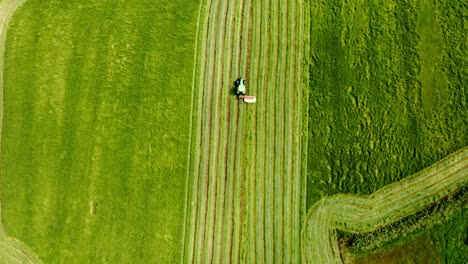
{"x":246,"y":198}
{"x":97,"y":102}
{"x":387,"y":89}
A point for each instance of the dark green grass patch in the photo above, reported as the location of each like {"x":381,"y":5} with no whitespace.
{"x":96,"y":129}
{"x":387,"y":93}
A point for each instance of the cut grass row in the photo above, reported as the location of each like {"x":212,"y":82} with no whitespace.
{"x":211,"y":201}
{"x":389,"y":204}
{"x":11,"y":250}
{"x":275,"y":186}
{"x":247,"y":176}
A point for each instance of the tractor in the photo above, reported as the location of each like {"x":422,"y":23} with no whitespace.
{"x":240,"y":86}
{"x":241,"y":90}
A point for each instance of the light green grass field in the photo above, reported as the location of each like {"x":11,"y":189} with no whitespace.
{"x":97,"y":101}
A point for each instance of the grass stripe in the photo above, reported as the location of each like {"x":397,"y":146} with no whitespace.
{"x":225,"y":112}
{"x":188,"y":190}
{"x":267,"y":56}
{"x":201,"y":138}
{"x":206,"y":154}
{"x":230,"y":166}
{"x":195,"y":156}
{"x":215,"y":128}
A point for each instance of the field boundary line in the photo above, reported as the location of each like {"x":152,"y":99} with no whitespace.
{"x":391,"y":203}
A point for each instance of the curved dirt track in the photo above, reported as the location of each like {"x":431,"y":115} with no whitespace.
{"x":11,"y":250}
{"x":389,"y":204}
{"x":246,"y":200}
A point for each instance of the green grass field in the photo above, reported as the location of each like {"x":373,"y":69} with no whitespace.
{"x":387,"y":91}
{"x":97,"y":99}
{"x":122,"y":141}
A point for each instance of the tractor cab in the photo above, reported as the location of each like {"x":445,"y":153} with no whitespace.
{"x":240,"y":86}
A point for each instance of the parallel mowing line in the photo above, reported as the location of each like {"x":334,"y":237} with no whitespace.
{"x":233,"y":246}
{"x":218,"y":240}
{"x":247,"y":211}
{"x":254,"y":222}
{"x":289,"y":204}
{"x":215,"y":138}
{"x":192,"y":202}
{"x":188,"y":191}
{"x":296,"y":119}
{"x":211,"y":142}
{"x":238,"y":211}
{"x":232,"y":252}
{"x":274,"y":195}
{"x":278,"y":124}
{"x":260,"y":66}
{"x":268,"y":217}
{"x":200,"y":173}
{"x":255,"y":241}
{"x":230,"y":166}
{"x":299,"y":193}
{"x":304,"y":53}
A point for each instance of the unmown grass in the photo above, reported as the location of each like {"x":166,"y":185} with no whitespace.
{"x":96,"y":129}
{"x":387,"y":93}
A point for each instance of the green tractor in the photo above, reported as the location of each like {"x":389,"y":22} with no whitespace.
{"x":240,"y":86}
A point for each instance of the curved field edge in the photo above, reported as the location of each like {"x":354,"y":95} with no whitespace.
{"x":352,"y":213}
{"x":11,"y":250}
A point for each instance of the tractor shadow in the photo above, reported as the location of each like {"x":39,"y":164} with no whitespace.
{"x":232,"y":91}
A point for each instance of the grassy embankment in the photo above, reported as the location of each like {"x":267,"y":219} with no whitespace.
{"x":97,"y":102}
{"x":386,"y":94}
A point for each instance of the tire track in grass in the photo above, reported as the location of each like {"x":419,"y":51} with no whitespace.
{"x":230,"y":168}
{"x":299,"y":163}
{"x":206,"y":120}
{"x":289,"y":203}
{"x":187,"y":239}
{"x":194,"y":159}
{"x":225,"y":110}
{"x":11,"y":250}
{"x":258,"y":181}
{"x":238,"y":210}
{"x":276,"y":170}
{"x":389,"y":204}
{"x":192,"y":250}
{"x":215,"y":116}
{"x":208,"y":209}
{"x":278,"y":177}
